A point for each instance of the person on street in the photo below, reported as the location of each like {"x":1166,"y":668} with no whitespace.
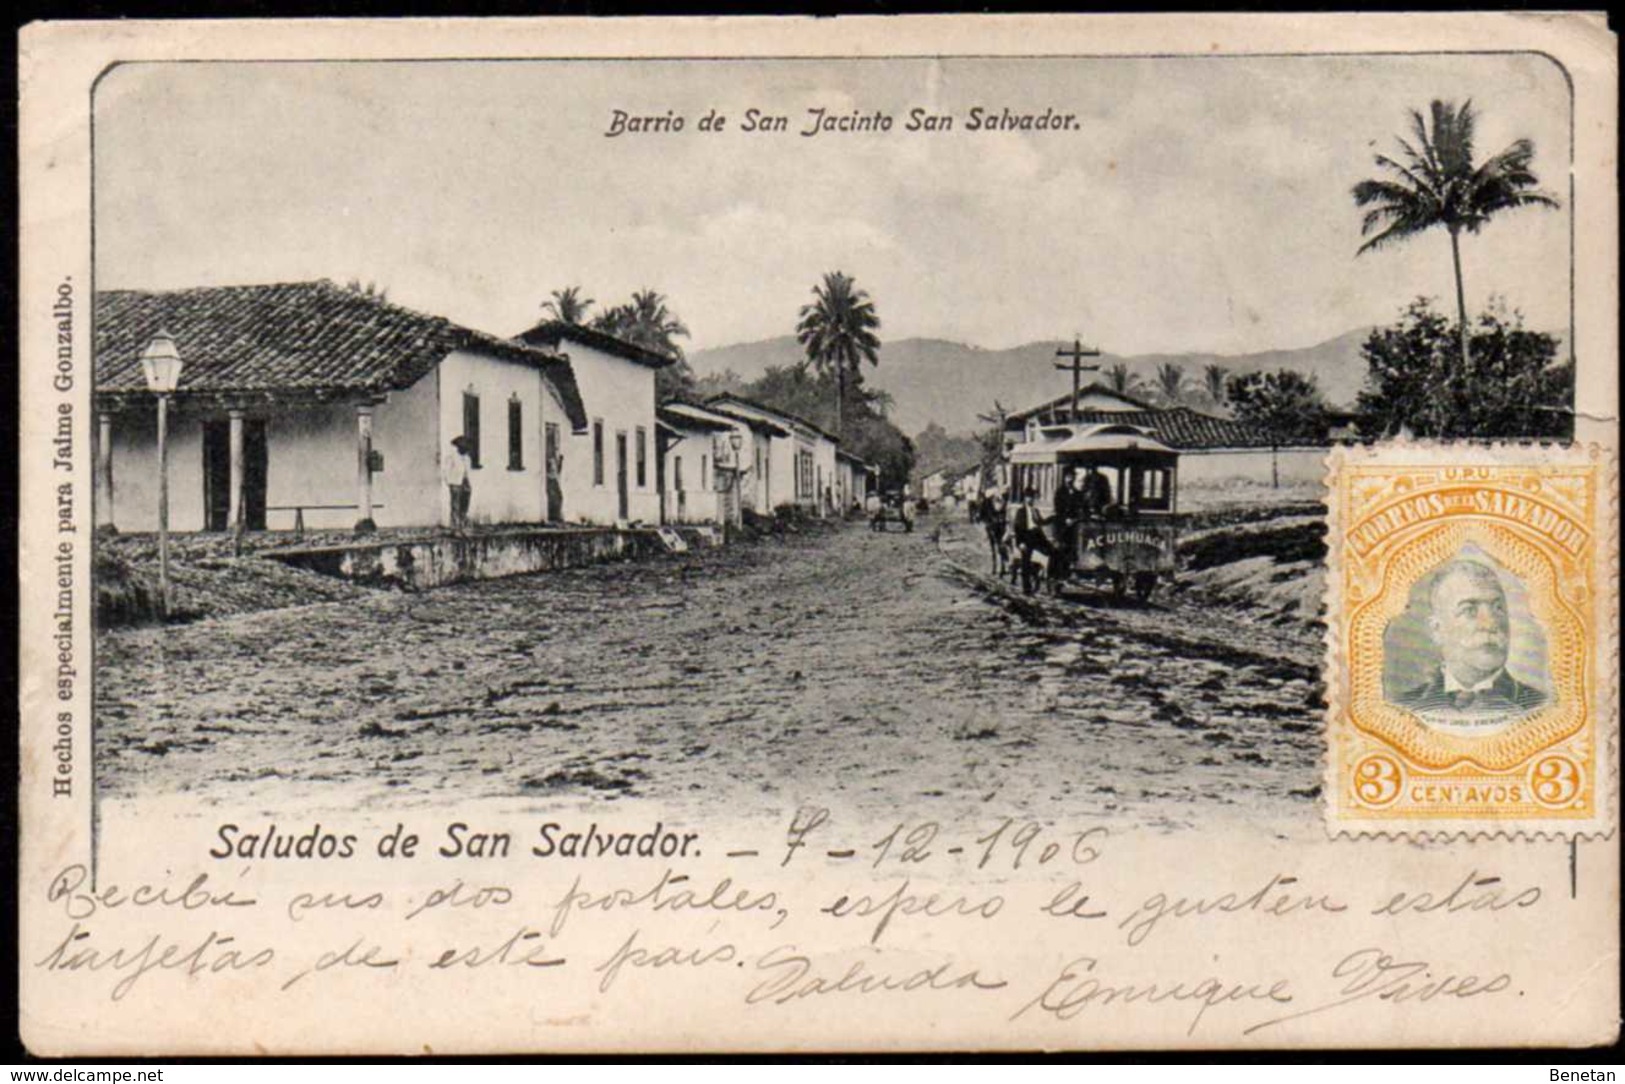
{"x":1070,"y":506}
{"x":456,"y":471}
{"x":1027,"y":523}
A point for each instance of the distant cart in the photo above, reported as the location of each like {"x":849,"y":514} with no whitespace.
{"x":1130,"y":542}
{"x":893,"y":508}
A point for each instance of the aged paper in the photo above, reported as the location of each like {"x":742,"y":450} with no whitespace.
{"x":418,"y":657}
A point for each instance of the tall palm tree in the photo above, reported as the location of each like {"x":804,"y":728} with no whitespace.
{"x":1121,"y":379}
{"x":1435,"y":183}
{"x":1213,"y":377}
{"x":1171,"y":381}
{"x":647,"y":321}
{"x":837,"y":330}
{"x":568,"y":305}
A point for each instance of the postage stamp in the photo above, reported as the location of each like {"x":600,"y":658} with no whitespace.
{"x":1471,"y":617}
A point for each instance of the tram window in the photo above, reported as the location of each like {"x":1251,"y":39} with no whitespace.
{"x":1154,"y":488}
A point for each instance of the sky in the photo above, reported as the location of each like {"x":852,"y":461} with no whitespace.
{"x":1196,"y":204}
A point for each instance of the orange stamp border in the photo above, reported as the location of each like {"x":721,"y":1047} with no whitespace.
{"x":1547,"y":517}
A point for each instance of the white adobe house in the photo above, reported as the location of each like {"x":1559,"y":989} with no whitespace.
{"x":702,"y":456}
{"x":611,"y":474}
{"x":1211,"y":448}
{"x":854,"y":481}
{"x":933,"y":485}
{"x":795,"y":461}
{"x":308,"y":405}
{"x":755,"y":463}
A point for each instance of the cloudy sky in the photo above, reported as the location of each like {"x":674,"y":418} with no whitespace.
{"x":1200,"y":203}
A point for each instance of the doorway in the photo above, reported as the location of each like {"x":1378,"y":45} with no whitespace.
{"x":555,"y":460}
{"x":623,"y":497}
{"x":217,"y":475}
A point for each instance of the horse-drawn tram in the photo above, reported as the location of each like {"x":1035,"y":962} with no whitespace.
{"x":1118,"y":510}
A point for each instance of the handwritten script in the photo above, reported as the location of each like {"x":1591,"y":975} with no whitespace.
{"x":1025,"y":922}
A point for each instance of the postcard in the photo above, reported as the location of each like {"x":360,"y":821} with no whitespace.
{"x":774,"y":535}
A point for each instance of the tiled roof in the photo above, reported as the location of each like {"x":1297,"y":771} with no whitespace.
{"x":693,"y":419}
{"x":303,"y":337}
{"x":1020,"y":417}
{"x":552,"y":332}
{"x":1181,"y":428}
{"x":718,"y":402}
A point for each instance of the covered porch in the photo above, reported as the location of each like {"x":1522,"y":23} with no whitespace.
{"x":239,"y":462}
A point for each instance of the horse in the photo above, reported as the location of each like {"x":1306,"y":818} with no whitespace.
{"x":995,"y":520}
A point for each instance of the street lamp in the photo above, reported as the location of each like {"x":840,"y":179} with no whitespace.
{"x":736,"y":441}
{"x":161,"y":364}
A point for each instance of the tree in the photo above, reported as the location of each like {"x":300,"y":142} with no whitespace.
{"x":368,"y":289}
{"x":1511,"y":386}
{"x":647,"y":321}
{"x":1171,"y":382}
{"x":1285,"y":405}
{"x":1213,"y":378}
{"x":568,"y":305}
{"x":1437,"y":184}
{"x":837,"y":330}
{"x":870,"y":435}
{"x":1121,"y":379}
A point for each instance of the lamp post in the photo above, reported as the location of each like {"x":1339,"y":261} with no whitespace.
{"x":736,"y":504}
{"x":161,"y":364}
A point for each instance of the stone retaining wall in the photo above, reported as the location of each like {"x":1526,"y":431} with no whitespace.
{"x":434,"y":562}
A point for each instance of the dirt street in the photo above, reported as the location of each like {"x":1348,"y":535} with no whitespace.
{"x":863,"y":671}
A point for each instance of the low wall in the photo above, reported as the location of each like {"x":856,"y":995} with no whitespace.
{"x":1253,"y":464}
{"x":444,"y":559}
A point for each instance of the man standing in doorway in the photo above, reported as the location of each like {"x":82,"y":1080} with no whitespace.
{"x":457,"y":481}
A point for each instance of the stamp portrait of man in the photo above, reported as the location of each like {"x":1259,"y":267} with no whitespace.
{"x":1469,"y":624}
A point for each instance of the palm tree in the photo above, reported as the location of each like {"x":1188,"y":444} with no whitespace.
{"x":837,"y":329}
{"x":1121,"y":379}
{"x":568,"y":305}
{"x":646,"y":321}
{"x":368,"y":289}
{"x":1437,"y":184}
{"x":1213,"y":377}
{"x":1171,"y":381}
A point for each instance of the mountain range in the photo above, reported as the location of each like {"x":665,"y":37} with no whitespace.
{"x":950,"y":383}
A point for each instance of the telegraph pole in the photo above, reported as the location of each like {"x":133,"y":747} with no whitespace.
{"x":1077,"y":354}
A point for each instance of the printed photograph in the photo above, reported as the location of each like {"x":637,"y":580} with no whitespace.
{"x":904,"y":432}
{"x":1450,"y":658}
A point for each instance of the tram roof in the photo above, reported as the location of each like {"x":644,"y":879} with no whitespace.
{"x":1085,"y":440}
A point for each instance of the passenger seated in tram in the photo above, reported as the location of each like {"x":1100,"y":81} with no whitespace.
{"x":1097,"y":493}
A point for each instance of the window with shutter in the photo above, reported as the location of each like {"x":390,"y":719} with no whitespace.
{"x":471,"y":426}
{"x":516,"y":434}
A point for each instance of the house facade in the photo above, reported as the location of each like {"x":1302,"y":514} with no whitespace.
{"x":702,"y":455}
{"x":1211,"y":448}
{"x":793,"y":460}
{"x":854,"y":481}
{"x":309,"y":405}
{"x":610,"y":471}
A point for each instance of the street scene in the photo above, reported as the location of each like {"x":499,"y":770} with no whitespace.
{"x":888,"y":468}
{"x":882,"y":672}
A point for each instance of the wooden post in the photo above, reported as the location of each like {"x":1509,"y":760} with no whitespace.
{"x":163,"y":504}
{"x":104,"y":467}
{"x":363,"y":469}
{"x":234,"y":504}
{"x":1077,"y":354}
